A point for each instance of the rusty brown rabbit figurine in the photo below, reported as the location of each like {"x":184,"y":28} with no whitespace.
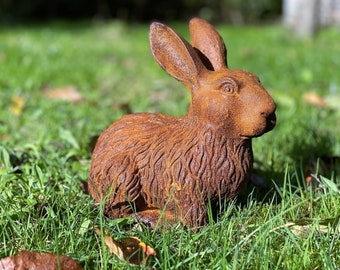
{"x":148,"y":165}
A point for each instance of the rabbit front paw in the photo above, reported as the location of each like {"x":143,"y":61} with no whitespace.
{"x":154,"y":218}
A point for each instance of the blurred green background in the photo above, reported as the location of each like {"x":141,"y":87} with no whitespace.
{"x":236,"y":11}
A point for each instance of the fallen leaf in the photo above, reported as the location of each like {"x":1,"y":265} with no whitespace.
{"x":67,"y":93}
{"x":314,"y":99}
{"x":17,"y":105}
{"x":84,"y":227}
{"x":28,"y":260}
{"x":130,"y":249}
{"x":305,"y":226}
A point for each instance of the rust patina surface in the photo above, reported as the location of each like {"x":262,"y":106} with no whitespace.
{"x":146,"y":165}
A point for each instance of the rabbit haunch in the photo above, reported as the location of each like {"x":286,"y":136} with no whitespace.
{"x":182,"y":153}
{"x":145,"y":164}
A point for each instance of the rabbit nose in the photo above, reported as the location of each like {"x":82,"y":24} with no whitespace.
{"x":269,"y":112}
{"x":270,"y":118}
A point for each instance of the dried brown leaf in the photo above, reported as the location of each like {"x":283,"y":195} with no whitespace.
{"x":314,"y":99}
{"x":17,"y":105}
{"x":28,"y":260}
{"x":67,"y":93}
{"x":131,"y":249}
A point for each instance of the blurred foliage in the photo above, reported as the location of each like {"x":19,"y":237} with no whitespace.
{"x":233,"y":11}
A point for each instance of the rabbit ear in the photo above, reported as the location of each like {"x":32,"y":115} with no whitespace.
{"x":174,"y":54}
{"x":206,"y":39}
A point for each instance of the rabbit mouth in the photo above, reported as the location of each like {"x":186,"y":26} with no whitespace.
{"x":268,"y":124}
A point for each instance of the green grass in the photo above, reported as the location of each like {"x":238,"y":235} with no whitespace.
{"x":44,"y":151}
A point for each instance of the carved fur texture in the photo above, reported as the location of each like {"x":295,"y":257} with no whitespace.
{"x":144,"y":164}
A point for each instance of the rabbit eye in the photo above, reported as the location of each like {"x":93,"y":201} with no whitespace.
{"x":229,"y":86}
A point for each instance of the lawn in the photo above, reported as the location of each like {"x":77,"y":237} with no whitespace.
{"x":46,"y":136}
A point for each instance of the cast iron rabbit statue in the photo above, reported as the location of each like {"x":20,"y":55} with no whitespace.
{"x":145,"y":165}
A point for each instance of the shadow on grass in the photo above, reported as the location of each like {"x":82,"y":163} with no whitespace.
{"x":308,"y":157}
